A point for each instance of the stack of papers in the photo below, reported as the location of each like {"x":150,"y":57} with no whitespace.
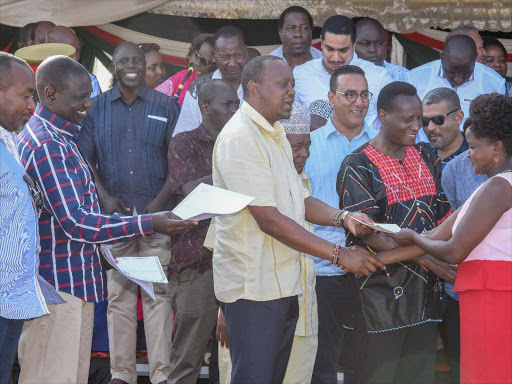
{"x":143,"y":271}
{"x":206,"y":201}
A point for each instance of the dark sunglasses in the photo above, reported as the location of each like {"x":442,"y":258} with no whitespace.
{"x":437,"y":120}
{"x":202,"y":60}
{"x":35,"y":192}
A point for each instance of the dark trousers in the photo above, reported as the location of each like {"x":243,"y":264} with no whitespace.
{"x":450,"y":332}
{"x":260,"y":338}
{"x":10,"y":331}
{"x":333,"y":339}
{"x":404,"y":356}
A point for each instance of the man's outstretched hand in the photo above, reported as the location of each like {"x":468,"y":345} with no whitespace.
{"x":355,"y":227}
{"x":169,"y":224}
{"x":360,"y":262}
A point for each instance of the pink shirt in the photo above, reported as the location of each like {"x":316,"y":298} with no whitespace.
{"x":489,"y":265}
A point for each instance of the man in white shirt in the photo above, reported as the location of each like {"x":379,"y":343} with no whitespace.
{"x":469,"y":30}
{"x":295,"y":27}
{"x":230,"y":53}
{"x":458,"y":70}
{"x":338,"y":44}
{"x":372,"y":45}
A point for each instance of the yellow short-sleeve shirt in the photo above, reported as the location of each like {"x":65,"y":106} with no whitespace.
{"x":254,"y":158}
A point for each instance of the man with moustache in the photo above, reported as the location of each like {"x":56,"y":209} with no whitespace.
{"x":295,"y":28}
{"x":344,"y":132}
{"x":65,"y":35}
{"x":190,"y":268}
{"x":372,"y":45}
{"x":25,"y":294}
{"x":338,"y":44}
{"x":230,"y":54}
{"x":459,"y":70}
{"x":395,"y":314}
{"x":56,"y":348}
{"x":256,"y":252}
{"x":127,"y":135}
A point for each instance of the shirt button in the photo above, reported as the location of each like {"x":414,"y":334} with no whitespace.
{"x":131,"y":172}
{"x":130,"y":150}
{"x":129,"y":130}
{"x":129,"y":109}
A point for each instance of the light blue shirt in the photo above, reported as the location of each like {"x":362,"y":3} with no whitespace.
{"x":312,"y":83}
{"x":96,"y":90}
{"x":430,"y":76}
{"x":22,"y":290}
{"x":328,"y":149}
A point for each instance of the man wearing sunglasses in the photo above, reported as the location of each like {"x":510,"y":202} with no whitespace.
{"x":344,"y":132}
{"x":459,"y":70}
{"x":441,"y":119}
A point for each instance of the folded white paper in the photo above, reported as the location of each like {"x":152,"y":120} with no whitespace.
{"x":143,"y":271}
{"x":206,"y":201}
{"x":386,"y":228}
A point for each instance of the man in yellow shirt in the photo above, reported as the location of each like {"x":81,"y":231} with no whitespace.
{"x":257,"y":251}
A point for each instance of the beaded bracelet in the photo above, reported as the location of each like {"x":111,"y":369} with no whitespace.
{"x":339,"y":218}
{"x":336,"y":254}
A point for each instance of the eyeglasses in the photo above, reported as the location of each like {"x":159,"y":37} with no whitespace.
{"x":352,"y":96}
{"x":35,"y":192}
{"x":437,"y":120}
{"x":202,"y":60}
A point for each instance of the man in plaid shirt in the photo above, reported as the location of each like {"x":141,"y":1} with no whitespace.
{"x":56,"y":348}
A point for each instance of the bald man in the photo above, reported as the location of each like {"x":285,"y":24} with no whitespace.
{"x":372,"y":45}
{"x":39,"y":32}
{"x":190,"y":270}
{"x":469,"y":30}
{"x":65,"y":35}
{"x":457,"y":69}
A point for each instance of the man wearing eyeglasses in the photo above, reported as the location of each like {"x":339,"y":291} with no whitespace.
{"x":338,"y":45}
{"x":459,"y":70}
{"x":344,"y":132}
{"x":230,"y":54}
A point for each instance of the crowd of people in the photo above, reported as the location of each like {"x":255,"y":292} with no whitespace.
{"x":328,"y":142}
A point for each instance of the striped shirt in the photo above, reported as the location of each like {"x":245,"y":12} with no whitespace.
{"x":71,"y":225}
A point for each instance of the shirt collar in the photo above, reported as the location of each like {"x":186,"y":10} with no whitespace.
{"x":203,"y":134}
{"x":58,"y":123}
{"x":275,"y":131}
{"x":440,"y":73}
{"x":115,"y":93}
{"x":330,"y":130}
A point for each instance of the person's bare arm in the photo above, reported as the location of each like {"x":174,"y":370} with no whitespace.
{"x":288,"y":232}
{"x":191,"y":185}
{"x":487,"y":207}
{"x":317,"y":212}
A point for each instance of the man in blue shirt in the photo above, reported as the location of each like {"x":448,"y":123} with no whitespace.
{"x":342,"y":134}
{"x":24,"y":293}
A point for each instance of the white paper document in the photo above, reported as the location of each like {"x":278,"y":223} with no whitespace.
{"x":143,"y":271}
{"x":206,"y":201}
{"x":386,"y":228}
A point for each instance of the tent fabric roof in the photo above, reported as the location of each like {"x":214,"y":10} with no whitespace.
{"x":396,"y":15}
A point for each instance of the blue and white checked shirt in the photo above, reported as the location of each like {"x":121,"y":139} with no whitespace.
{"x":23,"y":293}
{"x":396,"y":72}
{"x":96,"y":90}
{"x":328,"y":149}
{"x":71,"y":225}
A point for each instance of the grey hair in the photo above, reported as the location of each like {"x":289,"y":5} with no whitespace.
{"x":439,"y":95}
